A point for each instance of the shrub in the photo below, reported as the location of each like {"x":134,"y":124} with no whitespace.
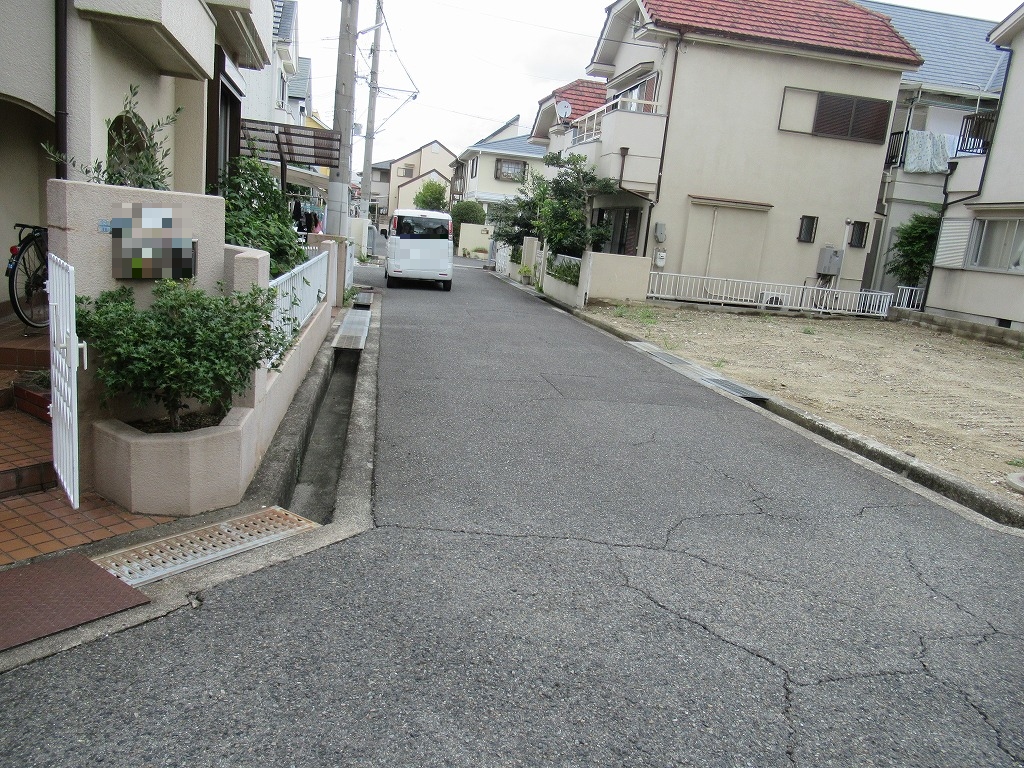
{"x":256,"y":214}
{"x":913,"y":250}
{"x":187,"y":345}
{"x":433,"y":196}
{"x":135,"y":156}
{"x":567,"y":270}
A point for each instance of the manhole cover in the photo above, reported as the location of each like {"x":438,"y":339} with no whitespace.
{"x":174,"y":554}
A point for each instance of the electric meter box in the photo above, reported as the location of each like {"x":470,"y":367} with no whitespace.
{"x":830,"y":259}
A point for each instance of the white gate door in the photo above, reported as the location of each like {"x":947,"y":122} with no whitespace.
{"x":64,"y":347}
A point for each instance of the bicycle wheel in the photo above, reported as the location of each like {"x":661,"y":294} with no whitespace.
{"x":27,"y":283}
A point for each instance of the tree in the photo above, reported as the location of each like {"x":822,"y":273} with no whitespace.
{"x":433,"y":196}
{"x":466,"y":212}
{"x":515,"y":219}
{"x":913,"y":250}
{"x":562,"y":216}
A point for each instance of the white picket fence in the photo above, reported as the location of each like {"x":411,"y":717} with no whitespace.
{"x":909,"y":298}
{"x":725,"y":291}
{"x":300,"y":291}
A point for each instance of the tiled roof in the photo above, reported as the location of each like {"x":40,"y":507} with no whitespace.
{"x":584,"y":95}
{"x":520,"y":145}
{"x":956,"y":52}
{"x":828,"y":25}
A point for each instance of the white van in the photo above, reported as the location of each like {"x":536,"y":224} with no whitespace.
{"x":420,"y":247}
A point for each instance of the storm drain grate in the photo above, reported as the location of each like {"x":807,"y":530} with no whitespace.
{"x":738,"y":389}
{"x":174,"y":554}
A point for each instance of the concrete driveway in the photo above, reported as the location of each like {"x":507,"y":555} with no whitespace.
{"x":580,"y":558}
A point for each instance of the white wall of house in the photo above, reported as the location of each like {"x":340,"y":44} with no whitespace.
{"x":960,"y":286}
{"x":724,"y":142}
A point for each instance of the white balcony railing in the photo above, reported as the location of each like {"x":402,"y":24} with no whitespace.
{"x":588,"y":127}
{"x":908,"y":297}
{"x":725,"y":291}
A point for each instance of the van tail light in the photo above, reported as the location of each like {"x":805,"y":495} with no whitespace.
{"x":394,"y":225}
{"x":449,"y":229}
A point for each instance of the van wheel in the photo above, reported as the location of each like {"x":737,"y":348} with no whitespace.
{"x":390,"y":281}
{"x":446,"y":285}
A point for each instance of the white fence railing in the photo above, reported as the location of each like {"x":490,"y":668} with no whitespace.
{"x":299,"y":292}
{"x":719,"y":290}
{"x":909,"y":298}
{"x":588,"y":127}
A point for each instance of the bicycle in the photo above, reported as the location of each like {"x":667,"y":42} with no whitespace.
{"x":27,"y":275}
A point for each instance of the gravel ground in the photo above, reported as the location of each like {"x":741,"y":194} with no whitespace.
{"x":954,"y":403}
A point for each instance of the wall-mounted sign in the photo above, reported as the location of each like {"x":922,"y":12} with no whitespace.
{"x":152,"y":242}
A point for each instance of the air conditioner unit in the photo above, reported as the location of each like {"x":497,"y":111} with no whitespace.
{"x":769,"y":299}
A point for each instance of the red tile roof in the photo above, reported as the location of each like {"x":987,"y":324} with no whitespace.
{"x":584,"y":95}
{"x":828,"y":25}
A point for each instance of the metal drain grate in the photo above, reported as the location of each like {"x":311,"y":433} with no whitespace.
{"x":174,"y":554}
{"x":738,"y":389}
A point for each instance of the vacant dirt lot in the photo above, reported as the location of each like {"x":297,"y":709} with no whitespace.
{"x":953,"y":403}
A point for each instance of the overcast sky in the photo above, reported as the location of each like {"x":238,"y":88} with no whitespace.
{"x":477,"y":63}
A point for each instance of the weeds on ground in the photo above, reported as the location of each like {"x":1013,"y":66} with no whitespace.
{"x":642,"y":315}
{"x":1016,"y":462}
{"x":719,"y":363}
{"x":809,"y":331}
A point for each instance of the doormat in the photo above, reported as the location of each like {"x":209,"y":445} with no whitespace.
{"x":47,"y":597}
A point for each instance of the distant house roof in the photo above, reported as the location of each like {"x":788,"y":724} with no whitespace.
{"x":492,"y":134}
{"x":956,"y":51}
{"x":284,"y":19}
{"x":299,"y":85}
{"x":583,"y":95}
{"x":518,"y":146}
{"x":838,"y":26}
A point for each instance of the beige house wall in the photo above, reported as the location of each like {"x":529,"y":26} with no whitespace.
{"x":487,"y":189}
{"x":977,"y":295}
{"x":27,"y":55}
{"x":1003,"y":179}
{"x":724,"y":142}
{"x":431,"y":157}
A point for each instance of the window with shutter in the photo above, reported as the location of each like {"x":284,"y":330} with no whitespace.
{"x":859,"y":234}
{"x":852,"y":117}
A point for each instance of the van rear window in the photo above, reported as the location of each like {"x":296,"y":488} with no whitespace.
{"x":421,"y":228}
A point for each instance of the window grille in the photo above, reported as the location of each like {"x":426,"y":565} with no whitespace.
{"x":859,"y":234}
{"x":808,"y":228}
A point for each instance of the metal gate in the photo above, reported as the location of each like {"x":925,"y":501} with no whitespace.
{"x":64,"y":346}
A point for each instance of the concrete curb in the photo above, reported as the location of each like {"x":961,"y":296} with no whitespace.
{"x":272,"y":485}
{"x":990,"y":505}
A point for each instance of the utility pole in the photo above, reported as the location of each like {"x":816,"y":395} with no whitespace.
{"x":371,"y":113}
{"x":344,"y":93}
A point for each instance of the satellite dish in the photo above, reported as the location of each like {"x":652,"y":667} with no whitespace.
{"x":563,"y":109}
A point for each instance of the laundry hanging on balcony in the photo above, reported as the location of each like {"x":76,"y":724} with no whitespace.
{"x":927,"y":152}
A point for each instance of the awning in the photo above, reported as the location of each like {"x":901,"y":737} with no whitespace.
{"x":286,"y":145}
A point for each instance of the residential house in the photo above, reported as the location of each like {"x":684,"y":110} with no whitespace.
{"x":955,"y":90}
{"x":578,"y":98}
{"x":493,"y":169}
{"x":432,"y":161}
{"x":743,"y":135}
{"x":269,"y":97}
{"x":188,"y":53}
{"x":978,"y":273}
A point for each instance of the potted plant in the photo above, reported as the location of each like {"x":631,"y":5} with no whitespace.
{"x":526,"y":275}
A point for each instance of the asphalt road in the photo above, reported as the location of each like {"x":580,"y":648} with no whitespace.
{"x":580,"y":558}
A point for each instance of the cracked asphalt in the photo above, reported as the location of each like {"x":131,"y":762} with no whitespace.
{"x":579,"y":558}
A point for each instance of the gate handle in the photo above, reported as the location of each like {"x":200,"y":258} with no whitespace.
{"x":85,"y":354}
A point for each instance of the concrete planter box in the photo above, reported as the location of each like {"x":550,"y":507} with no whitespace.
{"x":177,"y":474}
